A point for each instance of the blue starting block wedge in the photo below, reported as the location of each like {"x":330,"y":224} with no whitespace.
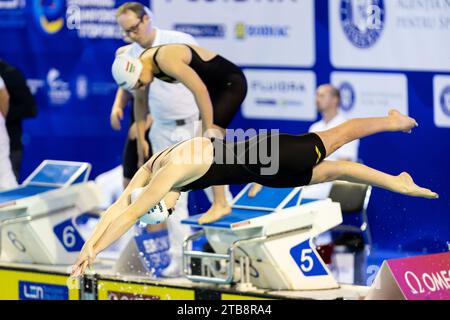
{"x":58,"y":174}
{"x":267,"y":201}
{"x":49,"y":175}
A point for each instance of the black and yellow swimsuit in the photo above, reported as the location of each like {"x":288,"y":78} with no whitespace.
{"x":274,"y":160}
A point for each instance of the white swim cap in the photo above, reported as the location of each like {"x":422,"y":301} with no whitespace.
{"x":155,"y":215}
{"x":126,"y":71}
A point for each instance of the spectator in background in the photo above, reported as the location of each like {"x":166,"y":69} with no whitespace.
{"x":7,"y":179}
{"x":21,"y":106}
{"x":328,"y":99}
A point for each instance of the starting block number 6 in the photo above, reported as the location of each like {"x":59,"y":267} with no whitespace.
{"x":69,"y":238}
{"x":68,"y":235}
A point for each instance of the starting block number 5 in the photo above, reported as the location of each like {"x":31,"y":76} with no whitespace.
{"x":307,"y":260}
{"x":68,"y":235}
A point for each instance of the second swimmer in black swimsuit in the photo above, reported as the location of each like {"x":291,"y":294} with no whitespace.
{"x":218,"y":85}
{"x":197,"y":163}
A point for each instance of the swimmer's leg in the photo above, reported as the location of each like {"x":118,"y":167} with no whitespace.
{"x":357,"y":128}
{"x":359,"y":173}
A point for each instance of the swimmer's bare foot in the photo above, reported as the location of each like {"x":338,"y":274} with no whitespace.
{"x":408,"y":187}
{"x":214,"y":213}
{"x":402,"y":122}
{"x":254,"y":190}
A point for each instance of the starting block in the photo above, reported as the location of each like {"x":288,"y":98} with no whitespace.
{"x":37,"y":219}
{"x":270,"y":237}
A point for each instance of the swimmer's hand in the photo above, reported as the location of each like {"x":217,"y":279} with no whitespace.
{"x":214,"y":132}
{"x":78,"y":269}
{"x":254,"y":190}
{"x":85,"y":259}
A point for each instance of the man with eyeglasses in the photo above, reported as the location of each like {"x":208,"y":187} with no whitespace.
{"x":173,"y":110}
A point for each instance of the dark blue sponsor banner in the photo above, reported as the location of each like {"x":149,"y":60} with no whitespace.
{"x":154,"y":251}
{"x":42,"y":291}
{"x":65,"y":49}
{"x":12,"y":14}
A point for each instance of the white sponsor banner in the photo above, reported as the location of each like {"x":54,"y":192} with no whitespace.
{"x":250,"y":32}
{"x":394,"y":34}
{"x":371,"y":94}
{"x":280,"y":94}
{"x":441,"y":86}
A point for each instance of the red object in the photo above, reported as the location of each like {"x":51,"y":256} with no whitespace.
{"x":325,"y":252}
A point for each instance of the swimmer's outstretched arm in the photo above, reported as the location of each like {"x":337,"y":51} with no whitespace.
{"x":140,"y":179}
{"x":174,"y":174}
{"x":160,"y":185}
